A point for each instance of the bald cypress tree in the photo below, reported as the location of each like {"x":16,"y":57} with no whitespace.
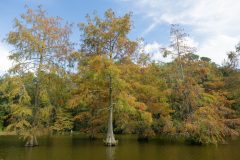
{"x":107,"y":37}
{"x":41,"y":45}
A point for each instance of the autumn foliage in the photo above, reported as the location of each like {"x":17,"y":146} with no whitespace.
{"x":55,"y":86}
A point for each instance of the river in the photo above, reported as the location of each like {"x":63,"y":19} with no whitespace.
{"x":79,"y":148}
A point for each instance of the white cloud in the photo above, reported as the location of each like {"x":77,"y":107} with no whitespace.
{"x":216,"y":47}
{"x":154,"y":49}
{"x":149,"y":29}
{"x":215,"y":23}
{"x":5,"y":63}
{"x":191,"y":42}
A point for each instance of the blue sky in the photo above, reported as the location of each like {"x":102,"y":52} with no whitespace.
{"x":75,"y":11}
{"x":213,"y":26}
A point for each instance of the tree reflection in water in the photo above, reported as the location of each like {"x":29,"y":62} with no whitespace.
{"x":110,"y":152}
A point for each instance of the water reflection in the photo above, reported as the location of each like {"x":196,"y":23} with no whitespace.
{"x":2,"y":155}
{"x":80,"y":148}
{"x":28,"y":151}
{"x":110,"y":151}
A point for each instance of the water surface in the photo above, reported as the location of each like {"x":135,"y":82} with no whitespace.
{"x":79,"y":148}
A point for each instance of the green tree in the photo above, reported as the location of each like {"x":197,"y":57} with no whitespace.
{"x":21,"y":119}
{"x":144,"y":101}
{"x":230,"y":70}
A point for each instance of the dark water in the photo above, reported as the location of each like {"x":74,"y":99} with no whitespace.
{"x":79,"y":148}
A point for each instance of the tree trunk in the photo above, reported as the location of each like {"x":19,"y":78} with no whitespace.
{"x":31,"y":141}
{"x":181,"y":70}
{"x":180,"y":60}
{"x":35,"y":141}
{"x":110,"y":140}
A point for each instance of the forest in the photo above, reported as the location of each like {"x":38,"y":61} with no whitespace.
{"x":106,"y":84}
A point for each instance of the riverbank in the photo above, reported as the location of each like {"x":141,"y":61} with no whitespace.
{"x":3,"y":133}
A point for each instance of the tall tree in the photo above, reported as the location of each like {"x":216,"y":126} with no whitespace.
{"x":181,"y":51}
{"x":42,"y":46}
{"x":179,"y":47}
{"x":108,"y":38}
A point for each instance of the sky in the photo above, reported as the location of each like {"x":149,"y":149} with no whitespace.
{"x":213,"y":25}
